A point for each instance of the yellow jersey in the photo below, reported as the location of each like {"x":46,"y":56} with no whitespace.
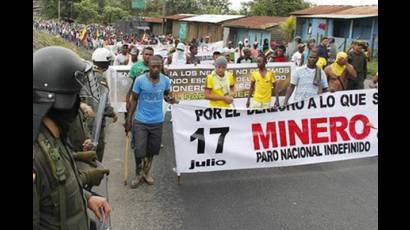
{"x":263,"y":86}
{"x":217,"y":89}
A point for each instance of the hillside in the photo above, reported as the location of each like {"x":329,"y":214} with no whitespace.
{"x":41,"y":40}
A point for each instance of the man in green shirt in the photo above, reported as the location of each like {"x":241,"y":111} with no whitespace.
{"x":137,"y":69}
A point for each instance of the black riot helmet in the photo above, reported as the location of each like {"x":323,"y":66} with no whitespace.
{"x":58,"y":76}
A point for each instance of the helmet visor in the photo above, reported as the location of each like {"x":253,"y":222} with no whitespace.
{"x":89,"y":83}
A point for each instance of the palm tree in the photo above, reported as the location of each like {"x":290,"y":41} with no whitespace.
{"x":288,"y":28}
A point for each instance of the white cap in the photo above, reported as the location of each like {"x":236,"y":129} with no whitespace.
{"x":181,"y":46}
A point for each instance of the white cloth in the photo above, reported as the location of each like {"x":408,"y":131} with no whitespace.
{"x":297,"y":58}
{"x":120,"y":59}
{"x":178,"y":57}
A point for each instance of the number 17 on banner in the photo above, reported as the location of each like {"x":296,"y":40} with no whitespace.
{"x":199,"y":134}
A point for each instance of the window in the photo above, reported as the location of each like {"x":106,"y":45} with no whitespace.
{"x":362,"y":28}
{"x":341,"y":28}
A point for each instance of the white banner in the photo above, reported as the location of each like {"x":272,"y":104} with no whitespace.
{"x":205,"y":51}
{"x":331,"y":127}
{"x":188,"y":81}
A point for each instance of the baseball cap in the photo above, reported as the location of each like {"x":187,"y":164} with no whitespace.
{"x":134,"y":51}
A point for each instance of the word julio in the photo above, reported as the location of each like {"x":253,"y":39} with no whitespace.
{"x":206,"y":163}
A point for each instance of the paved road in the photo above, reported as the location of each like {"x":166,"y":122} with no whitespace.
{"x":337,"y":195}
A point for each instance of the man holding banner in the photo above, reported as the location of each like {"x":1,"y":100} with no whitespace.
{"x":149,"y":90}
{"x":261,"y":82}
{"x":309,"y":80}
{"x":220,"y":85}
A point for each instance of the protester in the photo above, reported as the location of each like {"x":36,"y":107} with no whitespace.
{"x":179,"y":56}
{"x":255,"y":50}
{"x":358,"y":60}
{"x":207,"y":39}
{"x":122,"y":58}
{"x":216,"y":54}
{"x":133,"y":56}
{"x":339,"y":72}
{"x":168,"y":59}
{"x":293,"y":46}
{"x":227,"y":54}
{"x":230,"y":45}
{"x":332,"y":50}
{"x":239,"y":50}
{"x":323,"y":53}
{"x":265,"y":46}
{"x":271,"y":52}
{"x":280,"y":55}
{"x":136,"y":70}
{"x":191,"y":57}
{"x":310,"y":45}
{"x":309,"y":80}
{"x":220,"y":85}
{"x":298,"y":57}
{"x":146,"y":118}
{"x":246,"y":43}
{"x":246,"y":58}
{"x":261,"y":83}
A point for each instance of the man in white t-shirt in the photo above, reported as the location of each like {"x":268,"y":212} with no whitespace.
{"x":305,"y":82}
{"x":123,"y":57}
{"x":298,"y":57}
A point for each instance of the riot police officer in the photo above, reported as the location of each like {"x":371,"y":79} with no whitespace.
{"x":102,"y":58}
{"x":59,"y":200}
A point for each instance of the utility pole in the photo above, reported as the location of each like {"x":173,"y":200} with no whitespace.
{"x":163,"y":15}
{"x":58,"y":10}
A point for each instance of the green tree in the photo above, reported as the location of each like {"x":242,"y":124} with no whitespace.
{"x":288,"y":28}
{"x":245,"y":8}
{"x":113,"y":14}
{"x":86,"y":12}
{"x":49,"y":8}
{"x":181,"y":6}
{"x":213,"y":6}
{"x":280,"y":8}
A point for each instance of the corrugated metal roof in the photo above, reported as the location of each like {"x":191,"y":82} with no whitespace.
{"x":355,"y":12}
{"x":360,"y":10}
{"x":324,"y":9}
{"x":255,"y":22}
{"x":212,"y":18}
{"x":153,"y":19}
{"x":179,"y":16}
{"x":344,"y":16}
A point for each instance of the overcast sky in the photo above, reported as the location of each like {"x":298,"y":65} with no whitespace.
{"x":236,"y":4}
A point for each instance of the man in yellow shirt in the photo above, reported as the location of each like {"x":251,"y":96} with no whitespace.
{"x":220,"y":85}
{"x":262,"y":82}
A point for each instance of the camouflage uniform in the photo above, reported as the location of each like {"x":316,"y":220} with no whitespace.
{"x":90,"y":174}
{"x":59,"y":201}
